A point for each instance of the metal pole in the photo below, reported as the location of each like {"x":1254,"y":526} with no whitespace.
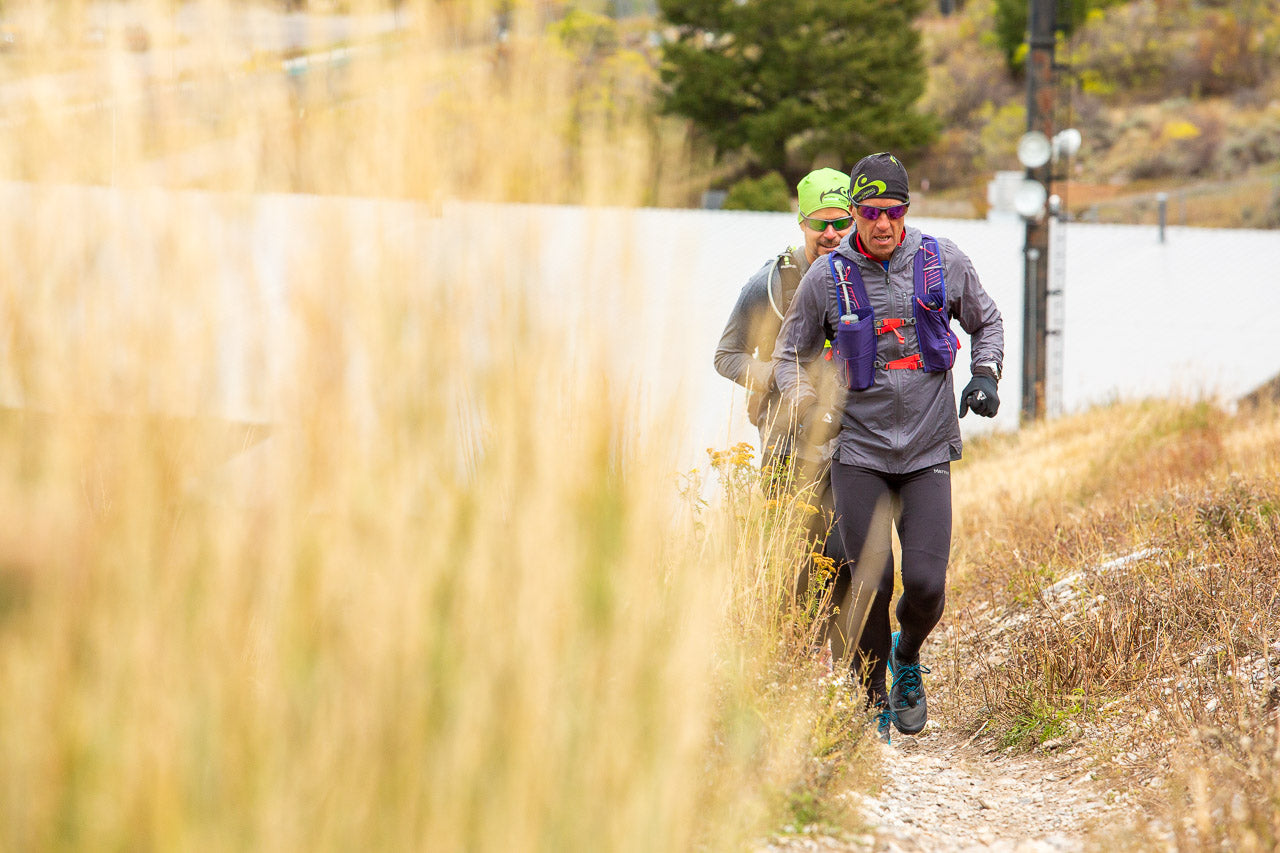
{"x":1040,"y":41}
{"x":1029,"y":367}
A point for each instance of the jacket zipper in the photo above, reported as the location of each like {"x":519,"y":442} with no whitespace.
{"x":896,"y":444}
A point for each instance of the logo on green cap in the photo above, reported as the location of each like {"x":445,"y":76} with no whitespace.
{"x":841,"y":195}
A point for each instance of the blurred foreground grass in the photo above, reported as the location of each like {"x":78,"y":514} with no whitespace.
{"x":433,"y":586}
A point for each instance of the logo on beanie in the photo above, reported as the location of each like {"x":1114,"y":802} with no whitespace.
{"x":866,"y":188}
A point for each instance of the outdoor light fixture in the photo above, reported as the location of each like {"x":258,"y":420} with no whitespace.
{"x":1029,"y":198}
{"x":1034,"y":149}
{"x":1066,"y":143}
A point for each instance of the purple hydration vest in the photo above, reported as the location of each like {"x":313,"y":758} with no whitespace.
{"x":858,"y":328}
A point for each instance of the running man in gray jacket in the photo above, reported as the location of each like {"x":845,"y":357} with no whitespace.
{"x":897,"y":437}
{"x":745,"y":355}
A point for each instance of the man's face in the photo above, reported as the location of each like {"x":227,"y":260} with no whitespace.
{"x":880,"y":236}
{"x":821,"y":242}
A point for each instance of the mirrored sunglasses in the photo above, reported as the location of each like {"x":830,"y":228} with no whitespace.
{"x":820,"y":225}
{"x":871,"y":212}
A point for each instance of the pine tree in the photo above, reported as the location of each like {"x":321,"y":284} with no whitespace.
{"x":793,"y":81}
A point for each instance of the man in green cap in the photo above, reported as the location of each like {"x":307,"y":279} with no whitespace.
{"x":746,"y":349}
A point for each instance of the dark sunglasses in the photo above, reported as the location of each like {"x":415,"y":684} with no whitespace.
{"x":820,"y":225}
{"x":870,"y":211}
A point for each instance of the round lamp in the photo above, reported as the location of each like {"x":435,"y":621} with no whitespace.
{"x":1034,"y":149}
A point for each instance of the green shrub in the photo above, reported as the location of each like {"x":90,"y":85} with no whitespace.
{"x":768,"y":192}
{"x":1249,"y":144}
{"x":1127,"y":50}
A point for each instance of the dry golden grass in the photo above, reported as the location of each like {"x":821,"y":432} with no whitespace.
{"x":407,"y":574}
{"x":1163,"y":665}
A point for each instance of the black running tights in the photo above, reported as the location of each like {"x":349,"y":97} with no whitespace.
{"x":919,"y":505}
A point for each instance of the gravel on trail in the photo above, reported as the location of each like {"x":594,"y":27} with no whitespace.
{"x":942,"y":792}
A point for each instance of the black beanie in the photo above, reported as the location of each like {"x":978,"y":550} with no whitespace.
{"x":878,"y":176}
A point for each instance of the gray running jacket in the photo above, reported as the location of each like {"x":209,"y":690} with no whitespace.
{"x":745,"y":354}
{"x":907,"y":420}
{"x":746,"y":346}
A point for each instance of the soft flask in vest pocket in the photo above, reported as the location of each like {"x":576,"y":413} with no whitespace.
{"x":938,"y":344}
{"x":856,"y":349}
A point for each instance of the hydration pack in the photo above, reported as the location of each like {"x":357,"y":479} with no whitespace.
{"x":784,"y":278}
{"x":788,"y":280}
{"x":858,"y":329}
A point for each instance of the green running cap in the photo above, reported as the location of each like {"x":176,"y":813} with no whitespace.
{"x":823,"y":188}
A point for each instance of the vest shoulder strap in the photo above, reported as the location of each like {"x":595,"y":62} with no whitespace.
{"x":788,"y":276}
{"x":938,"y":344}
{"x":853,"y":291}
{"x":927,"y":275}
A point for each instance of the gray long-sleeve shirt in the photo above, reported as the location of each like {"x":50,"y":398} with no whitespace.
{"x":906,"y":420}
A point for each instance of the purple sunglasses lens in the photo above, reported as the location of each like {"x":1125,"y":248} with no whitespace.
{"x":870,"y":211}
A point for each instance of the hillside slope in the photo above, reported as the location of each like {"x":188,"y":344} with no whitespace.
{"x":1174,"y":97}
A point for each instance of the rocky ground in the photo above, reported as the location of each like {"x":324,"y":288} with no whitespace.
{"x":941,"y":792}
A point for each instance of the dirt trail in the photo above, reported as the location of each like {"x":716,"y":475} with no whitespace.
{"x":948,"y":791}
{"x":943,"y":793}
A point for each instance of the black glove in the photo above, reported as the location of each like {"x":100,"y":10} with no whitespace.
{"x":980,"y":395}
{"x":818,"y":424}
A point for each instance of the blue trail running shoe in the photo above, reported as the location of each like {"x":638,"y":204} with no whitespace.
{"x":906,"y":696}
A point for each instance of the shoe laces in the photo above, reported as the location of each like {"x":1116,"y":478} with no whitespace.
{"x":908,"y":675}
{"x":884,"y":719}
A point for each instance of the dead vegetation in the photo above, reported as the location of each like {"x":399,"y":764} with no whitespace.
{"x":1115,"y":591}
